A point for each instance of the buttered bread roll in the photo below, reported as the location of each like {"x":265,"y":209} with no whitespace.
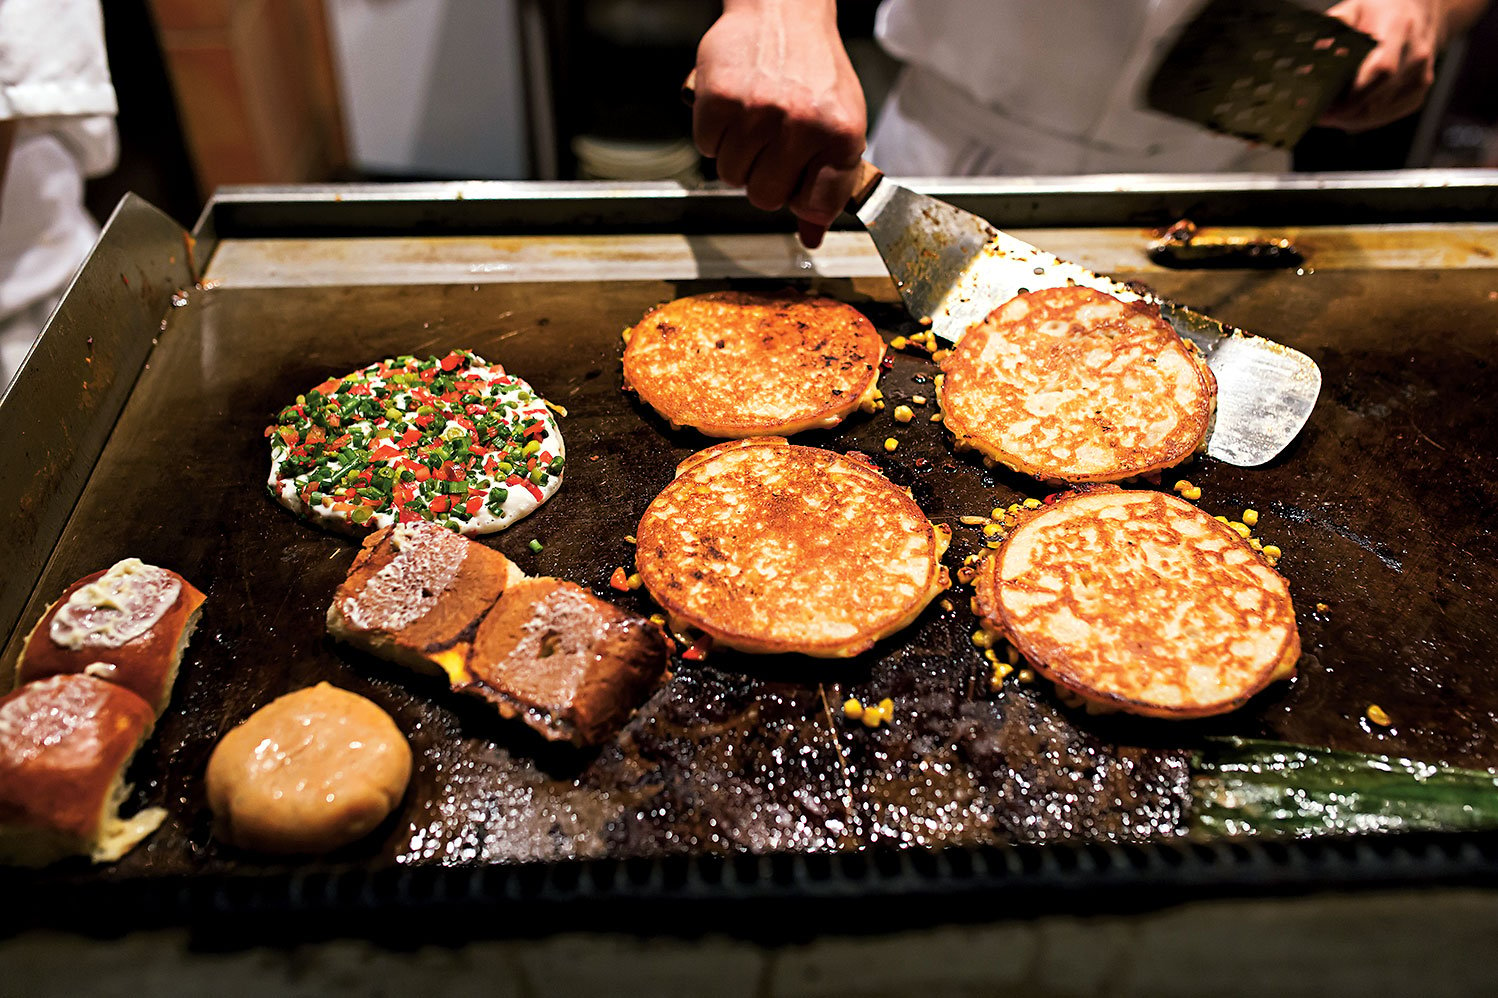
{"x":308,"y":772}
{"x":127,"y":625}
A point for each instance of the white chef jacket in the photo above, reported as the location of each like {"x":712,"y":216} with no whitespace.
{"x":54,"y":81}
{"x":995,"y":87}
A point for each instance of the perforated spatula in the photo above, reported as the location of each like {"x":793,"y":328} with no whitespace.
{"x":953,"y":267}
{"x":1263,"y":70}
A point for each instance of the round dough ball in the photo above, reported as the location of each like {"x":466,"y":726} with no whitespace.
{"x":308,"y":772}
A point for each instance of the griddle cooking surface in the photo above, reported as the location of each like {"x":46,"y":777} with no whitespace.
{"x":1379,"y":508}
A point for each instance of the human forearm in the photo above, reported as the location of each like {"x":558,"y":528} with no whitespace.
{"x":780,"y":108}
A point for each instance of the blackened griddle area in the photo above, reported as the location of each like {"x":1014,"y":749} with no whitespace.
{"x":1380,"y":508}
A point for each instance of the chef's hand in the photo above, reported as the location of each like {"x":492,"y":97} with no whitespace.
{"x":1393,"y":80}
{"x":779,"y":107}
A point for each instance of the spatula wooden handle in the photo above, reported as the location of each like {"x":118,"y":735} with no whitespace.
{"x":865,"y":180}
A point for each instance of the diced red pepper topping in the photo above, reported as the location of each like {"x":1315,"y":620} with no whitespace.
{"x":451,"y":362}
{"x":410,"y":437}
{"x":531,"y":488}
{"x":474,"y":504}
{"x":699,"y":649}
{"x":620,"y":579}
{"x":440,"y":504}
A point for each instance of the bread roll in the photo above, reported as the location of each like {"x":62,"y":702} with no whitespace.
{"x":128,"y":625}
{"x":65,"y":742}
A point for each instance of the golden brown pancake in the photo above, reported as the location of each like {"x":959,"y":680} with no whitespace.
{"x":128,"y":624}
{"x":1139,"y":601}
{"x":770,"y":547}
{"x":1073,"y":385}
{"x":736,"y":364}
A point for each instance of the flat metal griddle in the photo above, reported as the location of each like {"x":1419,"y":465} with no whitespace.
{"x":1381,"y":507}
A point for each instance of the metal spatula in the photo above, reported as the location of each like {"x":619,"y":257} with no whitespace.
{"x":955,"y":268}
{"x":1262,"y":70}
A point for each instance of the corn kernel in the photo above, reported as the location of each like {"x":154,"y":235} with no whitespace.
{"x":852,"y":708}
{"x":982,"y":639}
{"x":1012,"y":655}
{"x":1025,"y":675}
{"x":1255,"y":543}
{"x":633,"y":581}
{"x":1220,"y":519}
{"x":1241,"y":529}
{"x":658,"y":619}
{"x":904,"y":414}
{"x":871,"y":717}
{"x":936,"y":417}
{"x":1001,"y":672}
{"x":1378,"y":715}
{"x":1031,"y":504}
{"x":626,"y":335}
{"x":1182,"y":485}
{"x":918,"y":399}
{"x":1251,"y":517}
{"x":992,"y":530}
{"x":899,"y":343}
{"x":995,"y":543}
{"x":940,"y":355}
{"x":1271,"y":551}
{"x":890,"y":443}
{"x":991,"y":655}
{"x":630,"y":539}
{"x":887,"y":709}
{"x":1194,"y":493}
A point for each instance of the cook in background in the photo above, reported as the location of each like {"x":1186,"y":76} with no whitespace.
{"x":57,"y":110}
{"x":993,"y":87}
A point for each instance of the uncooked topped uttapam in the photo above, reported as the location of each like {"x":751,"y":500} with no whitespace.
{"x":451,"y":440}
